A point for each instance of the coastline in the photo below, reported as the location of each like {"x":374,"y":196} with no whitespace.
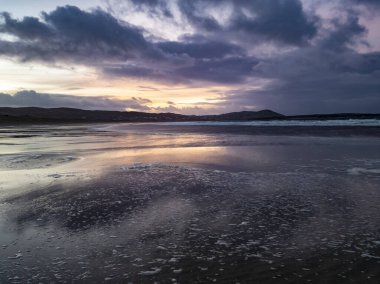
{"x":323,"y":131}
{"x":145,"y":203}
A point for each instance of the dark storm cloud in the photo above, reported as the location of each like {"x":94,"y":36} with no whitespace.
{"x":98,"y":27}
{"x":72,"y":34}
{"x":343,"y":34}
{"x":32,"y":98}
{"x":315,"y":65}
{"x":129,"y":71}
{"x":194,"y":12}
{"x":349,"y":93}
{"x":284,"y":21}
{"x":211,"y":49}
{"x":278,"y":20}
{"x":372,"y":3}
{"x":98,"y":39}
{"x":328,"y":76}
{"x":317,"y":81}
{"x":28,"y":28}
{"x":193,"y":59}
{"x":231,"y":70}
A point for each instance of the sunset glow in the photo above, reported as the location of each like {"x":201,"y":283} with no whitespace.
{"x":198,"y":58}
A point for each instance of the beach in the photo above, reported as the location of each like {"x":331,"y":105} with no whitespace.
{"x":177,"y":203}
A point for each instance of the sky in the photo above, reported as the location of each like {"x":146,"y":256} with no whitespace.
{"x":192,"y":57}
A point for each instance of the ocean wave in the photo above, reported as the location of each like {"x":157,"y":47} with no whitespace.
{"x":359,"y":171}
{"x":338,"y":122}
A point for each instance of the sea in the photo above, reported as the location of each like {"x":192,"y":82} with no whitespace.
{"x":191,"y":202}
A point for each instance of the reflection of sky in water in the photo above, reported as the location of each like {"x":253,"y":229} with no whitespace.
{"x":44,"y":155}
{"x":335,"y":122}
{"x":150,"y":203}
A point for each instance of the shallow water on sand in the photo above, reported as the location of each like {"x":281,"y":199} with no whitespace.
{"x":94,"y":204}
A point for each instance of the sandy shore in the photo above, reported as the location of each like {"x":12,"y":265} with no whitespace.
{"x":81,"y":204}
{"x":321,"y":131}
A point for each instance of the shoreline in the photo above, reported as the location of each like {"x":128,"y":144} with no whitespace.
{"x":157,"y":223}
{"x":148,"y":202}
{"x":261,"y":130}
{"x":323,"y":131}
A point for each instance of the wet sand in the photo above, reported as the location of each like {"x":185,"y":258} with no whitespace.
{"x":320,"y":131}
{"x":143,"y":203}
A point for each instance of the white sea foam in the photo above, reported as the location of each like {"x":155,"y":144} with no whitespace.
{"x":151,"y":272}
{"x":337,"y":122}
{"x":359,"y":171}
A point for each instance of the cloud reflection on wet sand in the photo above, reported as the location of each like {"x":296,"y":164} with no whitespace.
{"x":231,"y":208}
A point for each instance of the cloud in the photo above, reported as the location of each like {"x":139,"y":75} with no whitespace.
{"x":283,"y":21}
{"x":316,"y":81}
{"x":370,"y":3}
{"x":230,"y":70}
{"x":277,"y":20}
{"x":74,"y":35}
{"x":97,"y":27}
{"x":32,"y":98}
{"x":309,"y":61}
{"x":207,"y":49}
{"x":116,"y":48}
{"x":129,"y":71}
{"x":28,"y":28}
{"x":328,"y":76}
{"x":343,"y":34}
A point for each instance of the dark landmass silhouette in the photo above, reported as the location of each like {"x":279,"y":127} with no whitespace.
{"x":60,"y":115}
{"x":34,"y":114}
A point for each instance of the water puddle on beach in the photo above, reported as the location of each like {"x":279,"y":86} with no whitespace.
{"x":91,"y":204}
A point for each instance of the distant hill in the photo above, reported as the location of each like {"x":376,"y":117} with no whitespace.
{"x":57,"y":115}
{"x":34,"y":114}
{"x":243,"y":115}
